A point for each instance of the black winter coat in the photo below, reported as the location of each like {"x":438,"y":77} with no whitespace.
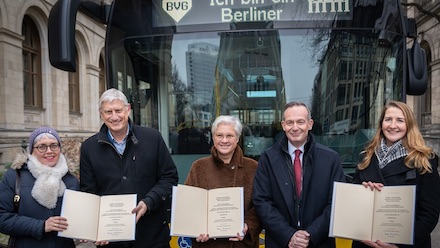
{"x":427,"y":194}
{"x":28,"y":224}
{"x":274,"y":193}
{"x":146,"y":169}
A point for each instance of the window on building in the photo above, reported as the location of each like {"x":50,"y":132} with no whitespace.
{"x":341,"y":94}
{"x":343,"y":67}
{"x":426,"y":99}
{"x":33,"y":93}
{"x":102,"y":86}
{"x":74,"y":106}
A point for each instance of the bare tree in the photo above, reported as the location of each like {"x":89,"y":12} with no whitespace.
{"x":179,"y":89}
{"x":422,"y":10}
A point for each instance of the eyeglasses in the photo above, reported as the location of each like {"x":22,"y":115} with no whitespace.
{"x":221,"y":136}
{"x":43,"y":148}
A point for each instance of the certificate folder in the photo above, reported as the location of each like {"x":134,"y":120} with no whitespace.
{"x":98,"y":218}
{"x":362,"y":214}
{"x":217,"y":212}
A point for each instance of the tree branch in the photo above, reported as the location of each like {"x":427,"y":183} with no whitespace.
{"x":422,"y":10}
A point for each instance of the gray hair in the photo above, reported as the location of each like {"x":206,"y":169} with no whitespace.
{"x":228,"y":119}
{"x":111,"y":95}
{"x":297,"y":104}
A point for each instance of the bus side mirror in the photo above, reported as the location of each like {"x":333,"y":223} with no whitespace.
{"x":61,"y":34}
{"x":61,"y":29}
{"x":417,"y":75}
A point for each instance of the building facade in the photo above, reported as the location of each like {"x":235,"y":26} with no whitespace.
{"x":32,"y":92}
{"x":427,"y":107}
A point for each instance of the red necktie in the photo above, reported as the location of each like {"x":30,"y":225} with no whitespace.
{"x":297,"y":169}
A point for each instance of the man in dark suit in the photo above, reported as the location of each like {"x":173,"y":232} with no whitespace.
{"x":294,"y":206}
{"x":124,"y":158}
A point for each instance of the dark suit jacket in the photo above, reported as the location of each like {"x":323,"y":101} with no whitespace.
{"x":427,"y":193}
{"x":146,"y":169}
{"x":274,"y":197}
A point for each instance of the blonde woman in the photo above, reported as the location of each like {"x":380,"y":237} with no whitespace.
{"x":398,"y":155}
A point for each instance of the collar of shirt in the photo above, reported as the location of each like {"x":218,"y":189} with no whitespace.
{"x":119,"y":146}
{"x":292,"y":151}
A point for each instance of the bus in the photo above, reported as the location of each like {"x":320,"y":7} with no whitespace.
{"x":182,"y":63}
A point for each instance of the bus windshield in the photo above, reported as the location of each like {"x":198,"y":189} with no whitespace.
{"x":180,"y":83}
{"x":182,"y":63}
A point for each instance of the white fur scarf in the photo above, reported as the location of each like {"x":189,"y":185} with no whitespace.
{"x":48,"y":185}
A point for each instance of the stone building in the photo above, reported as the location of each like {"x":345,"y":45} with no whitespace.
{"x":427,"y":107}
{"x":32,"y":92}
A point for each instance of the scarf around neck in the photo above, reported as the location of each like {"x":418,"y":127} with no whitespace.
{"x":48,"y":185}
{"x":386,"y":154}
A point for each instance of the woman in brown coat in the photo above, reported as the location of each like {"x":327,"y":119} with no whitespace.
{"x":227,"y":167}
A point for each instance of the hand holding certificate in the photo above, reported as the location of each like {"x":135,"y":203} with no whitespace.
{"x":98,"y":218}
{"x":217,"y":212}
{"x":361,"y":214}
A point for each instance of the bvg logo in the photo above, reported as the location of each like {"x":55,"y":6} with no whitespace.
{"x":177,"y":9}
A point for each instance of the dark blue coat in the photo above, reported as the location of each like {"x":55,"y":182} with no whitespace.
{"x":28,"y":224}
{"x":427,"y":194}
{"x":274,"y":196}
{"x":146,"y":169}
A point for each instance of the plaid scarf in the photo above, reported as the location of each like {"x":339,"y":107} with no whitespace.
{"x":386,"y":154}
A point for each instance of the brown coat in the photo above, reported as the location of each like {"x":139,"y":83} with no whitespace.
{"x":210,"y":173}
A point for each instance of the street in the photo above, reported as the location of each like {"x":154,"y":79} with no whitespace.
{"x":435,"y":239}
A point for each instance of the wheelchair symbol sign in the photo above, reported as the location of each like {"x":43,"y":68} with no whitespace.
{"x":184,"y":242}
